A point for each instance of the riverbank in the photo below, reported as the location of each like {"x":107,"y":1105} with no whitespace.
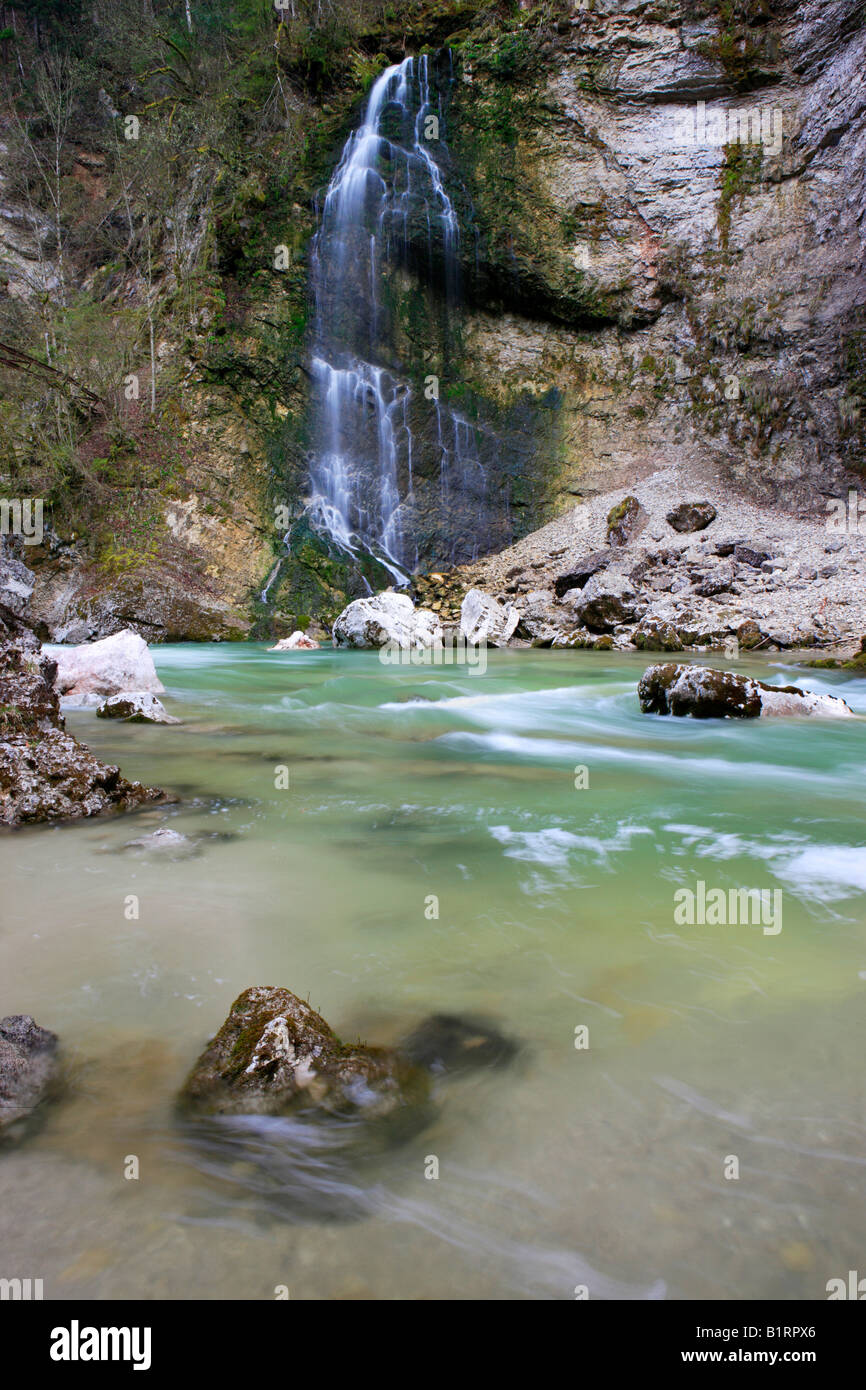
{"x":800,"y":579}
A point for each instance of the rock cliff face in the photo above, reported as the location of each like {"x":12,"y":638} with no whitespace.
{"x":687,"y":296}
{"x":661,"y":210}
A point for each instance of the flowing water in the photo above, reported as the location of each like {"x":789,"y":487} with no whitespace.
{"x":601,"y":1165}
{"x":386,"y":199}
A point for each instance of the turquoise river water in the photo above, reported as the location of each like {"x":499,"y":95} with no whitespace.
{"x":507,"y":844}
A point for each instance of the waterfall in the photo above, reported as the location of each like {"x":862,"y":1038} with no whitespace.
{"x":385,"y":204}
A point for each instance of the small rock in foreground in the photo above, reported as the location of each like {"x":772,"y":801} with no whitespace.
{"x":705,"y":693}
{"x":28,"y":1068}
{"x":275,"y":1055}
{"x":165,"y":839}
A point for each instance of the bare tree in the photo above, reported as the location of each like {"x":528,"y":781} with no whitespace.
{"x":55,"y":93}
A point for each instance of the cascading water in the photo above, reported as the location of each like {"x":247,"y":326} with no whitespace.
{"x":386,"y":203}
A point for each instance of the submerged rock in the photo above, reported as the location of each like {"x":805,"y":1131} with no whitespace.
{"x":449,"y":1043}
{"x":275,"y":1055}
{"x":165,"y":840}
{"x":482,"y":620}
{"x":387,"y":618}
{"x":115,"y":665}
{"x":28,"y":1068}
{"x":692,"y":516}
{"x":299,"y":641}
{"x":704,"y":693}
{"x":139,"y":707}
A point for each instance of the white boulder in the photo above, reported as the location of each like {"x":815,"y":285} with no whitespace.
{"x":299,"y":641}
{"x":483,"y":620}
{"x":113,"y":666}
{"x":388,"y":618}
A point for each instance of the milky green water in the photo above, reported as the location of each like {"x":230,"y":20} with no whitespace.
{"x":413,"y":791}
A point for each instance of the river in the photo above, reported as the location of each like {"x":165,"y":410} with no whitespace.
{"x":506,"y":844}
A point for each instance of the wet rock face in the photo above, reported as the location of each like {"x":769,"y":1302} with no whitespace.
{"x":275,"y":1055}
{"x":28,"y":1068}
{"x":707,"y":694}
{"x":46,"y":774}
{"x":692,"y":516}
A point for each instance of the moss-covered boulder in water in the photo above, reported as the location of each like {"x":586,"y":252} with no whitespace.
{"x":274,"y":1055}
{"x":704,"y":693}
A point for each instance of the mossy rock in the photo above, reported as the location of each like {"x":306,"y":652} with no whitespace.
{"x":624,"y":521}
{"x":275,"y":1055}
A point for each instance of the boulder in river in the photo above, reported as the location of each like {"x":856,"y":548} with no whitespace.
{"x":483,"y":620}
{"x":388,"y":618}
{"x":138,"y":707}
{"x":705,"y":693}
{"x":299,"y":641}
{"x":275,"y":1055}
{"x":28,"y":1068}
{"x":113,"y":666}
{"x":45,"y":773}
